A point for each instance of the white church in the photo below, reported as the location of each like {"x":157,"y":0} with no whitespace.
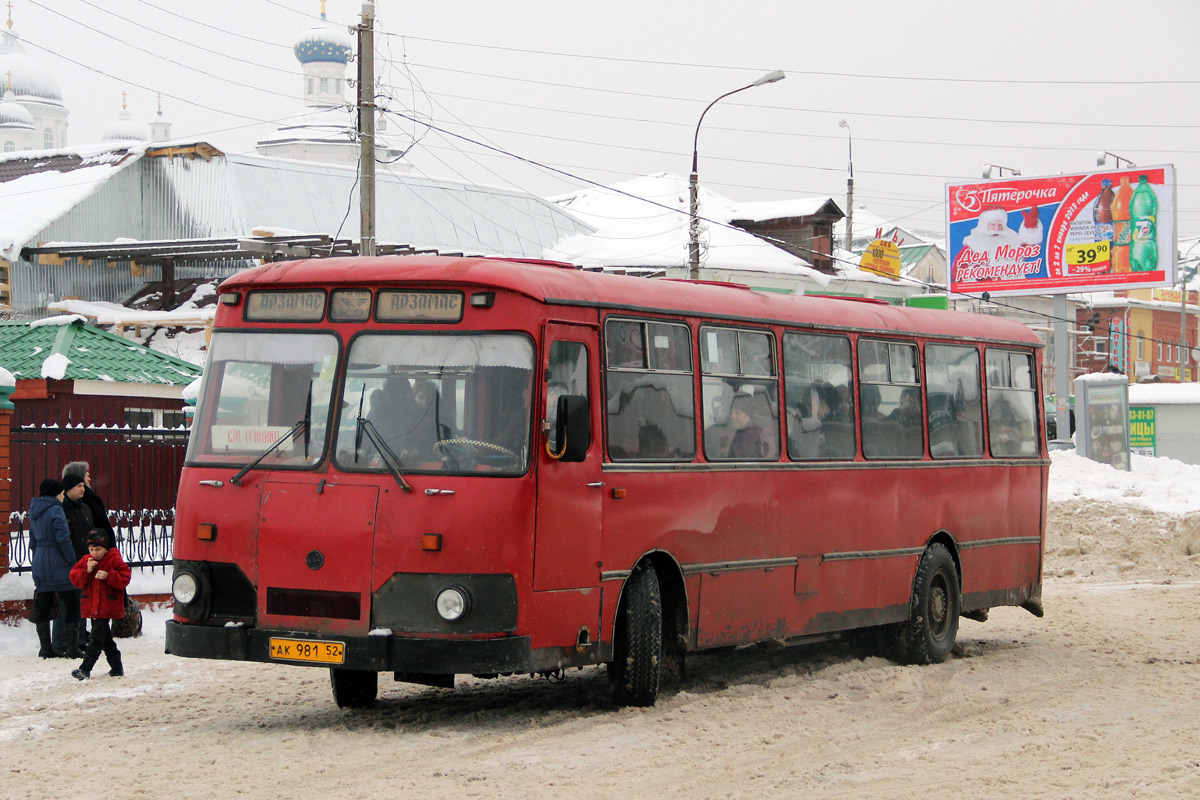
{"x":34,"y":117}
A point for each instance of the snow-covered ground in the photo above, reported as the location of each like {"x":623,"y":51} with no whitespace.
{"x":1098,"y":699}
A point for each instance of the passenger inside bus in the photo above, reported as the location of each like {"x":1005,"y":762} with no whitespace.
{"x":513,"y":432}
{"x":819,"y":426}
{"x":805,"y":418}
{"x":870,"y":403}
{"x":1009,"y":428}
{"x":428,"y":400}
{"x":749,"y":440}
{"x":405,"y":427}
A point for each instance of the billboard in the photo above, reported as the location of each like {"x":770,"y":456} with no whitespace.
{"x":1096,"y":231}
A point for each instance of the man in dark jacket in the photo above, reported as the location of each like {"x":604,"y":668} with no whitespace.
{"x":92,"y":500}
{"x":80,"y":523}
{"x":53,"y":557}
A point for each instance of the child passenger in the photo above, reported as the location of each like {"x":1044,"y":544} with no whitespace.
{"x":102,"y":575}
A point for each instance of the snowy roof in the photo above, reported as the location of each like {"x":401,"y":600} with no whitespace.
{"x":1160,"y":394}
{"x":116,"y":314}
{"x":38,"y":187}
{"x":63,"y":348}
{"x":644,"y":223}
{"x":763,"y":210}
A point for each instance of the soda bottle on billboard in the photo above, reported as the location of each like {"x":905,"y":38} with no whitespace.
{"x":1122,"y":232}
{"x":1143,"y":213}
{"x":1102,"y":213}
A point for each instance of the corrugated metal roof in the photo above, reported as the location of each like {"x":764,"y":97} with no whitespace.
{"x":192,"y":191}
{"x":910,"y":256}
{"x":94,"y":355}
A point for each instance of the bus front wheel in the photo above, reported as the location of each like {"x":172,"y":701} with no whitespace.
{"x":928,"y":635}
{"x":635,"y":671}
{"x":354,"y":688}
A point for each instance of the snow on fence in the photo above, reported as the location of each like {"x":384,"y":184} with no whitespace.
{"x":144,"y":537}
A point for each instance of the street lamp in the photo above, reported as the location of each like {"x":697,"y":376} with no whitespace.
{"x":694,"y":227}
{"x":987,"y":171}
{"x":849,"y":185}
{"x":1103,"y":155}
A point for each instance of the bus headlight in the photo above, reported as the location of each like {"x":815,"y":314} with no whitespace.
{"x":453,"y":603}
{"x":185,"y":588}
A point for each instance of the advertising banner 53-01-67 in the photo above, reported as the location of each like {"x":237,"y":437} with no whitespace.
{"x":1063,"y":233}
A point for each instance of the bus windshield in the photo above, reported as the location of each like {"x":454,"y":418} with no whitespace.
{"x":259,"y":388}
{"x":442,"y":403}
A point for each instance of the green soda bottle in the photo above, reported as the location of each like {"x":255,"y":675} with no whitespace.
{"x":1143,"y":213}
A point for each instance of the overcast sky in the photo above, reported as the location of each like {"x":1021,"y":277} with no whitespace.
{"x":607,"y":91}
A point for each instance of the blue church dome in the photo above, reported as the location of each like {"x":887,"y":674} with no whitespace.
{"x":324,"y":43}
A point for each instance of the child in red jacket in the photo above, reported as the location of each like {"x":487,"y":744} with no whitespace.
{"x":102,"y":575}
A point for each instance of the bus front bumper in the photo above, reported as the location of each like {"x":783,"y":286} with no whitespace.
{"x":376,"y":653}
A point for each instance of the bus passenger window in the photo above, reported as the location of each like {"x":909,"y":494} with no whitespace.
{"x":740,"y":395}
{"x":649,"y":406}
{"x":820,"y":404}
{"x":1011,"y":400}
{"x":892,"y":419}
{"x":625,"y":344}
{"x":955,"y":412}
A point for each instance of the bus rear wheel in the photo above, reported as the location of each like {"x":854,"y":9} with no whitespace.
{"x":354,"y":688}
{"x":635,"y":672}
{"x":928,"y":635}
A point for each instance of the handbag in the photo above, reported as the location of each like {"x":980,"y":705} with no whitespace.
{"x":130,"y":625}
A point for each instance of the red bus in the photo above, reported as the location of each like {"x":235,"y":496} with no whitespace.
{"x":437,"y":466}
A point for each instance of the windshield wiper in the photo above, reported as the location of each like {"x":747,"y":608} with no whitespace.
{"x":304,"y":423}
{"x":389,"y":458}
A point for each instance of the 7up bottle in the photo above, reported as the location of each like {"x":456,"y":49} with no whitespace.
{"x":1143,"y":213}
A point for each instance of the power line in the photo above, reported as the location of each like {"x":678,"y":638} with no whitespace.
{"x":794,"y":134}
{"x":1008,"y":121}
{"x":204,"y":24}
{"x":160,"y":33}
{"x":795,"y":71}
{"x":98,"y":71}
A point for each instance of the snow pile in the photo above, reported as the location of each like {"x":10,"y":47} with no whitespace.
{"x":1157,"y":484}
{"x":55,"y":366}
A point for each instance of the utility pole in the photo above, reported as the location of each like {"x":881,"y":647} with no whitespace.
{"x":366,"y":129}
{"x":849,"y":186}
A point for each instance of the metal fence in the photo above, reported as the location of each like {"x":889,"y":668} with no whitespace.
{"x":144,"y":537}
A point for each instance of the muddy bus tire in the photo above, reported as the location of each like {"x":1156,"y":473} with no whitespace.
{"x":354,"y":688}
{"x":635,"y":671}
{"x":928,"y":635}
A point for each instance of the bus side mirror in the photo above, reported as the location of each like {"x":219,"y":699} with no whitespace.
{"x":573,"y":430}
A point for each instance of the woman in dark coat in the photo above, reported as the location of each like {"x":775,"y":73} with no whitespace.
{"x":53,"y":557}
{"x":80,"y":523}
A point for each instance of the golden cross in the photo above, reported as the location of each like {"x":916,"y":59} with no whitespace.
{"x":123,"y":106}
{"x":10,"y":15}
{"x":10,"y":79}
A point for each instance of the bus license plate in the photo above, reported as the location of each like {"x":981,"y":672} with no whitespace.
{"x":306,"y":650}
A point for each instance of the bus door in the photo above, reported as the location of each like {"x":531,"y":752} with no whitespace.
{"x":315,"y":546}
{"x":567,"y":538}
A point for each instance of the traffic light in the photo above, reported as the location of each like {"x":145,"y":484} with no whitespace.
{"x":1093,"y":321}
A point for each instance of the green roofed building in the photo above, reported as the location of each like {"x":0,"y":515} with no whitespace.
{"x":65,"y":349}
